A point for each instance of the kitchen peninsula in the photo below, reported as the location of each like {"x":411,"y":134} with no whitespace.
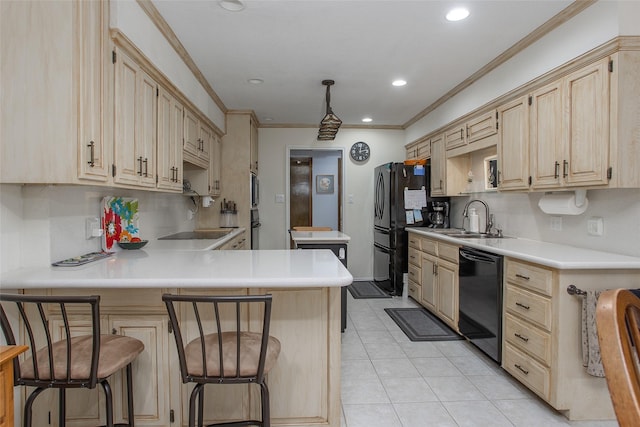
{"x":305,"y":383}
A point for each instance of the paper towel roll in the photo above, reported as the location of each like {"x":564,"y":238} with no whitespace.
{"x":564,"y":203}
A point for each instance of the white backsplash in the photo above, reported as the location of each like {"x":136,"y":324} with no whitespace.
{"x":45,"y":223}
{"x":518,"y":215}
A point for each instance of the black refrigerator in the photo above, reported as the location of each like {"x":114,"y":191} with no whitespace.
{"x":392,"y":214}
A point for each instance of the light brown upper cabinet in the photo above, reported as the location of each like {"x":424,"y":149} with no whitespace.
{"x":546,"y":136}
{"x":419,"y":150}
{"x":197,"y":140}
{"x":135,"y":124}
{"x":253,"y":153}
{"x":570,"y":130}
{"x":513,"y":145}
{"x":475,"y":129}
{"x":170,"y":135}
{"x":438,"y":166}
{"x":56,"y":78}
{"x":215,"y":167}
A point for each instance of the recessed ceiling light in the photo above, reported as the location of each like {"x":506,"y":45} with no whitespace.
{"x":255,"y":81}
{"x":399,"y":82}
{"x":231,"y":5}
{"x":268,"y":119}
{"x":457,"y":14}
{"x":367,"y":119}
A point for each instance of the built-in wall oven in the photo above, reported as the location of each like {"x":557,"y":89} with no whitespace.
{"x":480,"y":297}
{"x":255,"y":229}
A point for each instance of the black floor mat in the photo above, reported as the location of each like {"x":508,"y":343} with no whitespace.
{"x":420,"y":325}
{"x":363,"y":290}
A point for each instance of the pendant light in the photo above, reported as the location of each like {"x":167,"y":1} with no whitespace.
{"x":330,"y":123}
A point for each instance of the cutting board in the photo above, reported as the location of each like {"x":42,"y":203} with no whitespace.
{"x":119,"y":221}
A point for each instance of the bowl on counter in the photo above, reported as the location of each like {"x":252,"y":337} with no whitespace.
{"x":133,"y":245}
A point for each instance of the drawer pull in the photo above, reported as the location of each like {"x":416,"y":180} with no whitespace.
{"x":521,"y":369}
{"x":525,"y":339}
{"x":520,"y":276}
{"x":411,"y":273}
{"x":526,"y":307}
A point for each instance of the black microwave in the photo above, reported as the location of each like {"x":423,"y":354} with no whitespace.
{"x":255,"y":191}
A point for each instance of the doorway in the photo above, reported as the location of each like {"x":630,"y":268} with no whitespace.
{"x":315,"y":185}
{"x":301,"y":206}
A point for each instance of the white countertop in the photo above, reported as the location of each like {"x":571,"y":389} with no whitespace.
{"x":563,"y":257}
{"x":319,"y":237}
{"x":158,"y":268}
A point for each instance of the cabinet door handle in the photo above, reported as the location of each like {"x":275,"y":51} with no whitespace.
{"x":140,"y":165}
{"x":521,"y":369}
{"x":435,"y":270}
{"x":113,"y":331}
{"x":467,"y":131}
{"x":92,"y":160}
{"x":520,"y":276}
{"x":461,"y":134}
{"x":526,"y":307}
{"x":146,"y":167}
{"x":523,"y":338}
{"x":556,"y":175}
{"x":565,"y":168}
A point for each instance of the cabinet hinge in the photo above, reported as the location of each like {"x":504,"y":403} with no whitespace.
{"x":611,"y":66}
{"x":609,"y":172}
{"x":113,"y":56}
{"x":530,"y":100}
{"x":170,"y":327}
{"x":113,"y":170}
{"x":172,"y":416}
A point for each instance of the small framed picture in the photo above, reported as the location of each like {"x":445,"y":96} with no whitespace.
{"x":324,"y":184}
{"x":491,"y":173}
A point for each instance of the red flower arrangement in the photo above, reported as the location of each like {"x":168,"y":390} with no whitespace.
{"x":111,"y":227}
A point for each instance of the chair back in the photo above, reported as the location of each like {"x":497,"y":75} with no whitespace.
{"x":214,"y":344}
{"x":50,"y":359}
{"x":618,"y":323}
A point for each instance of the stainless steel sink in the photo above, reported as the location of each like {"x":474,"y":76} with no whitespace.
{"x":197,"y":235}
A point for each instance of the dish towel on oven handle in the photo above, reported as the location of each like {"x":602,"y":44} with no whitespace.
{"x":591,"y":359}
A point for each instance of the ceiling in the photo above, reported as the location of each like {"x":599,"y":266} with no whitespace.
{"x":361,"y":44}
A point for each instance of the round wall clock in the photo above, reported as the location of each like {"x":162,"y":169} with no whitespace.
{"x":360,"y":151}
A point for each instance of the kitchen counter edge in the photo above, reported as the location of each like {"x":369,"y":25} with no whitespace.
{"x":555,"y":255}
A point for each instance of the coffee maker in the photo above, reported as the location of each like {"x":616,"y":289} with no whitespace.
{"x":438,"y":215}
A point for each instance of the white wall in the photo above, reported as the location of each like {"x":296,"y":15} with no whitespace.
{"x":593,"y":27}
{"x":128,"y":17}
{"x":325,"y":206}
{"x":40,"y":224}
{"x":518,"y":214}
{"x":386,"y":146}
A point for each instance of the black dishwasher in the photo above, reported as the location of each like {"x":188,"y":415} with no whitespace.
{"x":480,"y":296}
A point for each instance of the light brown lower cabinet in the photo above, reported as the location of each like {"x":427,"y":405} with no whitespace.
{"x":542,"y":344}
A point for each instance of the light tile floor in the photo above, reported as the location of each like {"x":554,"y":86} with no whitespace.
{"x":390,"y":381}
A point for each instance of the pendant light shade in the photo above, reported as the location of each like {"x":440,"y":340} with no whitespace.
{"x":330,"y":123}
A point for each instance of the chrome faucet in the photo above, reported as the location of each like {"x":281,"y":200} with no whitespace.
{"x":488,"y":217}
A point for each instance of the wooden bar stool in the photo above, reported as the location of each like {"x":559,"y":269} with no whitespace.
{"x":80,"y":361}
{"x":222,"y":352}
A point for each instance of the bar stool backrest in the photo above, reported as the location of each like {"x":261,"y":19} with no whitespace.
{"x":37,"y":313}
{"x":217,"y":346}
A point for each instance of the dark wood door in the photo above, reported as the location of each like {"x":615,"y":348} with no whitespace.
{"x":300,"y":206}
